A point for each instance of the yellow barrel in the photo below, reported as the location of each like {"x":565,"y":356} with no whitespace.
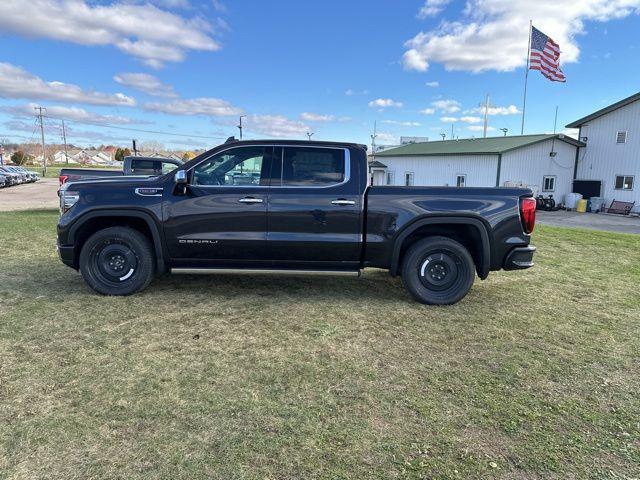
{"x":582,"y":206}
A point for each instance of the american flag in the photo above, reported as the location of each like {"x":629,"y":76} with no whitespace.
{"x":545,"y":56}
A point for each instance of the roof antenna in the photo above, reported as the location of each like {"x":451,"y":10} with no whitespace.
{"x":231,"y":139}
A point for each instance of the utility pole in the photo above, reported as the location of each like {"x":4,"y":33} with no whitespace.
{"x":1,"y":155}
{"x":452,"y":131}
{"x":309,"y":135}
{"x":486,"y":105}
{"x":135,"y":149}
{"x":64,"y":140}
{"x":443,"y":135}
{"x":44,"y":154}
{"x":240,"y":125}
{"x":373,"y":140}
{"x":504,"y":130}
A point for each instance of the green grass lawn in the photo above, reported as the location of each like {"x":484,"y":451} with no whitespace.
{"x":536,"y":374}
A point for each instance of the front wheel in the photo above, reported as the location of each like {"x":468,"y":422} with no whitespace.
{"x":438,"y":271}
{"x":117,"y":261}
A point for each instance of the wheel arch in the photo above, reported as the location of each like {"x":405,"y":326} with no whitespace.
{"x":467,"y":229}
{"x":93,"y":221}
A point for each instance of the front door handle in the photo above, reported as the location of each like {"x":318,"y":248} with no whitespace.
{"x":342,"y":202}
{"x":250,"y":200}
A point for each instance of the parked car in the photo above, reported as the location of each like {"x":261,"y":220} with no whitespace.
{"x":137,"y":166}
{"x":308,"y":209}
{"x":3,"y":181}
{"x":31,"y":175}
{"x":15,"y":178}
{"x":24,"y":178}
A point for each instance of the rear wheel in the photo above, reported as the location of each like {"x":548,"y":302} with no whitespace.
{"x":117,"y":261}
{"x":438,"y":271}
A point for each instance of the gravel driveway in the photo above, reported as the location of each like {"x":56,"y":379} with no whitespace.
{"x":595,"y":221}
{"x":29,"y":196}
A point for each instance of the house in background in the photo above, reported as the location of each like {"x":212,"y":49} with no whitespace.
{"x":544,"y":163}
{"x":609,"y":164}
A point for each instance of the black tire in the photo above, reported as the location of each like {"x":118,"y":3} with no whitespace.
{"x":117,"y":261}
{"x":438,"y":271}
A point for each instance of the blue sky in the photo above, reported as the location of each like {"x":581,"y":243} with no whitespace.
{"x":332,"y":68}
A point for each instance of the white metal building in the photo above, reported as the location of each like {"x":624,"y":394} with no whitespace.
{"x":544,"y":163}
{"x":611,"y":157}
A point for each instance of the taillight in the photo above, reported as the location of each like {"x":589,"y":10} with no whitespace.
{"x":63,"y":179}
{"x":528,"y":214}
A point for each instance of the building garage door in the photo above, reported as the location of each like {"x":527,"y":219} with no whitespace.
{"x":588,"y":188}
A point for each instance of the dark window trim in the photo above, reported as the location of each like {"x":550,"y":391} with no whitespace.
{"x":544,"y":177}
{"x":633,"y":183}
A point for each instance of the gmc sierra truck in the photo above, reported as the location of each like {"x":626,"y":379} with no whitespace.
{"x":290,"y":207}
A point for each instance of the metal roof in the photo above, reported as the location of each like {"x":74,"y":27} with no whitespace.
{"x":605,"y":110}
{"x":474,"y":146}
{"x":377,"y":164}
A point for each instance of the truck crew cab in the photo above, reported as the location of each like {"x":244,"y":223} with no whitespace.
{"x":290,"y":207}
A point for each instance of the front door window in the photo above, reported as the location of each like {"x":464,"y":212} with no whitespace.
{"x":236,"y":167}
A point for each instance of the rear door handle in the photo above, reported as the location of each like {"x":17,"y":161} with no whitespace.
{"x":250,"y":200}
{"x":342,"y":202}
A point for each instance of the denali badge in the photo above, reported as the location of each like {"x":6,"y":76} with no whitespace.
{"x":149,"y":192}
{"x":199,"y":241}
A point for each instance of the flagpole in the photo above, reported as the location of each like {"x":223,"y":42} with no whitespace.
{"x":526,"y":77}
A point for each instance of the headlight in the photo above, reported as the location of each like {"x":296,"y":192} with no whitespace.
{"x":67,"y":200}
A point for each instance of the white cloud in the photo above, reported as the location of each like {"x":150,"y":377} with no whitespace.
{"x":144,"y":31}
{"x":431,"y":8}
{"x":384,"y":103}
{"x":145,"y":83}
{"x":171,"y":3}
{"x":446,"y":106}
{"x":276,"y":126}
{"x":316,"y":117}
{"x":389,"y":138}
{"x":432,"y":84}
{"x":219,"y":6}
{"x":195,"y":106}
{"x":351,"y":92}
{"x":402,"y":124}
{"x":449,"y":119}
{"x":428,"y":111}
{"x":470,"y":119}
{"x":479,"y":128}
{"x":414,"y":60}
{"x":70,"y":113}
{"x":15,"y":82}
{"x":509,"y":110}
{"x":492,"y":34}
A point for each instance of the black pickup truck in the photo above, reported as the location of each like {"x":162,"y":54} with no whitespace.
{"x":290,"y":207}
{"x":134,"y":166}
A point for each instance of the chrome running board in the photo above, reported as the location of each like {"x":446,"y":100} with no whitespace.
{"x":259,"y":271}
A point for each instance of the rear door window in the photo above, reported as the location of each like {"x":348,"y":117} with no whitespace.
{"x":312,"y":167}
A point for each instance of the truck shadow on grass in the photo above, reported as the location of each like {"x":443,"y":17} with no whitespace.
{"x":375,"y":285}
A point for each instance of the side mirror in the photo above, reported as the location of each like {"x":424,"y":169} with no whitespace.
{"x":180,"y":179}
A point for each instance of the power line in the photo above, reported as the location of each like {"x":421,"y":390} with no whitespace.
{"x":157,"y":132}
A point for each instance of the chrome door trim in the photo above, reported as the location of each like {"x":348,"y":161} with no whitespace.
{"x":250,"y":200}
{"x":343,"y":202}
{"x":347,"y":167}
